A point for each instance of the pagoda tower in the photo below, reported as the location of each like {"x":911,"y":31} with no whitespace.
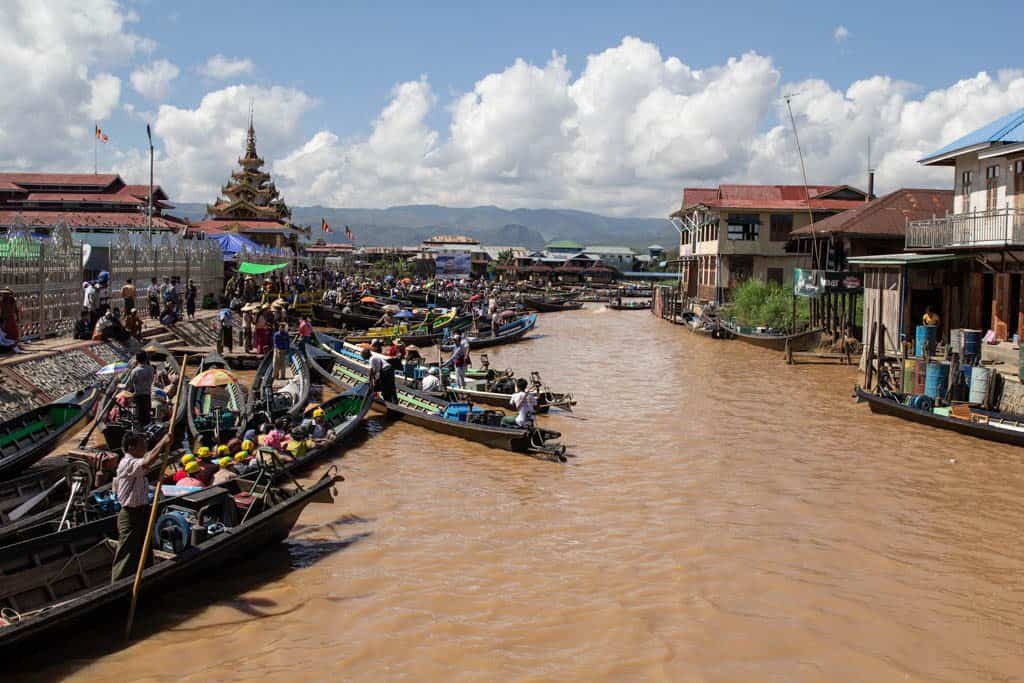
{"x":251,"y":204}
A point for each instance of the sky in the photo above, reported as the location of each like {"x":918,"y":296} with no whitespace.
{"x":608,"y":107}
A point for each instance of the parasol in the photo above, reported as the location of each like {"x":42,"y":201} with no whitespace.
{"x":368,"y":300}
{"x":113,"y":368}
{"x":214,"y":377}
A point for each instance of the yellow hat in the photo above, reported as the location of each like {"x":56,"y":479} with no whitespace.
{"x":224,"y":462}
{"x":247,"y":445}
{"x":192,"y":467}
{"x":187,"y":458}
{"x":319,"y":412}
{"x":241,"y":455}
{"x":203,"y":452}
{"x":223,"y":450}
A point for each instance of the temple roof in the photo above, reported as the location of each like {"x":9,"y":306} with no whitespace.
{"x":250,"y":194}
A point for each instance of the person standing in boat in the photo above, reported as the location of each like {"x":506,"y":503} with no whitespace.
{"x":140,"y":383}
{"x":132,"y":491}
{"x":459,"y":359}
{"x":382,"y":376}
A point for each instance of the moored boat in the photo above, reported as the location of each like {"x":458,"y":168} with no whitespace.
{"x":25,"y":439}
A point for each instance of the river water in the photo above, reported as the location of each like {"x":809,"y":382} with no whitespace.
{"x":725,"y":518}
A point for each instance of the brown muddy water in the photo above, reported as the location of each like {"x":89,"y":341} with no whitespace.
{"x":725,"y":518}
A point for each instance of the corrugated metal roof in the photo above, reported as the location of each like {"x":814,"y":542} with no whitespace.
{"x":886,"y":216}
{"x":903,"y":259}
{"x":1009,"y":128}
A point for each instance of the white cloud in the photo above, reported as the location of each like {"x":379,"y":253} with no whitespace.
{"x":840,"y":33}
{"x":153,"y":81}
{"x":55,"y":79}
{"x":223,"y":68}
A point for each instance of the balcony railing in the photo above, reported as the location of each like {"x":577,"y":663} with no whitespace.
{"x":994,"y":228}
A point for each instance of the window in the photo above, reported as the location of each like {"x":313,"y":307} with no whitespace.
{"x":775,"y":275}
{"x":966,"y":178}
{"x":991,"y":187}
{"x":744,"y":227}
{"x":781,"y":226}
{"x":1018,"y":182}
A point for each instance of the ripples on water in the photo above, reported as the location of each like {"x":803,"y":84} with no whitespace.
{"x":726,"y":518}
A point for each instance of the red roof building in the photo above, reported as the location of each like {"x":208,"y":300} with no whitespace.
{"x":735,"y":232}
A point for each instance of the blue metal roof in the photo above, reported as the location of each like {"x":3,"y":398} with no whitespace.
{"x":1009,"y":128}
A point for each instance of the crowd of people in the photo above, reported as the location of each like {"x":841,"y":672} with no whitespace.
{"x":166,"y":302}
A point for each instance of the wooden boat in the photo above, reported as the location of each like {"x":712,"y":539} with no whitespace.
{"x":508,"y":333}
{"x":551,"y":306}
{"x":113,"y":431}
{"x":546,"y":400}
{"x":30,"y":436}
{"x":215,"y":414}
{"x":36,"y":486}
{"x":288,"y":401}
{"x":1008,"y":429}
{"x":629,"y":305}
{"x":801,"y":341}
{"x":455,"y":419}
{"x":49,"y":583}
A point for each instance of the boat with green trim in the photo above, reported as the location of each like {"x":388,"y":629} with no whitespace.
{"x":28,"y":437}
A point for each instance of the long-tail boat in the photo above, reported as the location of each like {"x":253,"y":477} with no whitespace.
{"x":550,"y":306}
{"x":28,"y":437}
{"x":456,"y":419}
{"x":50,"y":582}
{"x":215,"y":414}
{"x":287,"y":401}
{"x":507,"y":333}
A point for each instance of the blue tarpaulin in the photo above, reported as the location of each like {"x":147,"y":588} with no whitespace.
{"x":231,"y":243}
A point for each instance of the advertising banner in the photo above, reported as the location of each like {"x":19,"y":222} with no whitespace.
{"x":451,"y":266}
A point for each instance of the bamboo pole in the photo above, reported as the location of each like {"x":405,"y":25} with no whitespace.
{"x":156,"y":499}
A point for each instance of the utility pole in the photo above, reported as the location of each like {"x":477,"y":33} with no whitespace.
{"x":149,"y":204}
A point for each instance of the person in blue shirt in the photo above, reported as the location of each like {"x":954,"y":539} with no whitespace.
{"x":282,"y":344}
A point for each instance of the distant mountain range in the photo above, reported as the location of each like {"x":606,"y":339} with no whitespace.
{"x":409,"y":225}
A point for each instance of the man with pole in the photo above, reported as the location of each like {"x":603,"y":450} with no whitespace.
{"x":132,"y":490}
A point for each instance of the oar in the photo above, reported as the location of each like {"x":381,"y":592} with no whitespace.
{"x":156,"y":500}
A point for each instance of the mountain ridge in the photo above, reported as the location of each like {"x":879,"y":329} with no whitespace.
{"x":493,"y":226}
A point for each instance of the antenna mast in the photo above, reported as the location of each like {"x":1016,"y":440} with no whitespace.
{"x":803,"y":172}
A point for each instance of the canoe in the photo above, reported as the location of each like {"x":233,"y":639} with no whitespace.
{"x":441,"y":416}
{"x":35,"y":487}
{"x":801,"y":341}
{"x":72,"y":581}
{"x":230,"y":401}
{"x":982,"y":425}
{"x":288,"y":401}
{"x":548,"y":306}
{"x":629,"y":306}
{"x":545,"y":399}
{"x":508,"y":333}
{"x":28,"y":437}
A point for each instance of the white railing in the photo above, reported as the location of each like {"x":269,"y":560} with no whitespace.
{"x":997,"y":227}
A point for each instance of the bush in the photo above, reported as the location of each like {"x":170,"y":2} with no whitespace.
{"x":756,"y":303}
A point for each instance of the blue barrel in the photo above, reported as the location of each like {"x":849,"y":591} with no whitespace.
{"x":972,"y":344}
{"x":979,"y":385}
{"x":926,"y":335}
{"x":936,"y":380}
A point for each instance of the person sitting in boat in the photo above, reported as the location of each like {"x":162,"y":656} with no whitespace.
{"x":525,"y":402}
{"x":191,"y":479}
{"x":930,"y":317}
{"x":316,"y":426}
{"x":182,"y":472}
{"x":298,"y":443}
{"x":225,"y":472}
{"x":432,"y":382}
{"x":205,"y":468}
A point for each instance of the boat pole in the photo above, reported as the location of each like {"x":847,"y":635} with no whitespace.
{"x":156,"y":499}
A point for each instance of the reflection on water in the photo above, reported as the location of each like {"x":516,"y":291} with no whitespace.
{"x":727,"y":518}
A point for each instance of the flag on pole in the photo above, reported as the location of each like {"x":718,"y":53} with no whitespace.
{"x":348,"y":233}
{"x":100,"y":135}
{"x":324,"y":226}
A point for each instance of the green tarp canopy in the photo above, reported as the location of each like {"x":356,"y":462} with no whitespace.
{"x":259,"y":268}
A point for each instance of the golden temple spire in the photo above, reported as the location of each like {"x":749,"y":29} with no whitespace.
{"x":250,"y":140}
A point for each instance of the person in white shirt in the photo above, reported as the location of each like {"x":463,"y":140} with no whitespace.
{"x":525,"y":402}
{"x":432,"y":382}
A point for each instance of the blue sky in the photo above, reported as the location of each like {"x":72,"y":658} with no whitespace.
{"x":349,"y":55}
{"x":599,"y":106}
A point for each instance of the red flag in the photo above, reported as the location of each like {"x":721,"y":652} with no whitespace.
{"x":100,"y":135}
{"x":324,"y":226}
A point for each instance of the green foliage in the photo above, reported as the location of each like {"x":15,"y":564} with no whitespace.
{"x":757,"y":303}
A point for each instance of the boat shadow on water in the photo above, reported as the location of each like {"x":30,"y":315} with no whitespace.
{"x":167,"y":612}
